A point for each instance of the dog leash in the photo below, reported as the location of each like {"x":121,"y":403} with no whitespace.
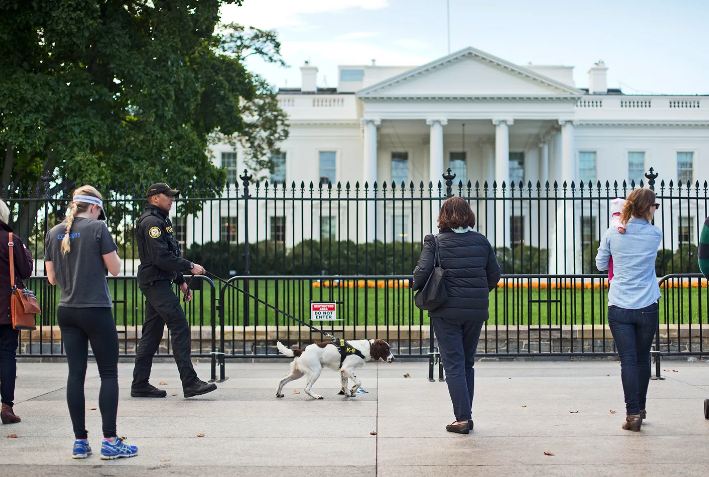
{"x":268,"y":305}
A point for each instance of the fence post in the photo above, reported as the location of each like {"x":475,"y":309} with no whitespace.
{"x":246,"y":179}
{"x":449,"y":182}
{"x":651,"y":175}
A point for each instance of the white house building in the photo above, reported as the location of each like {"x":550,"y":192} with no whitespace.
{"x":485,"y":118}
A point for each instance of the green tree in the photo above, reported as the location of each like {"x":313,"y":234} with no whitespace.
{"x":121,"y":94}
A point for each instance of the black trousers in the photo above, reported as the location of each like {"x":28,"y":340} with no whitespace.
{"x":457,"y":341}
{"x":162,"y":307}
{"x":8,"y":363}
{"x":79,"y":327}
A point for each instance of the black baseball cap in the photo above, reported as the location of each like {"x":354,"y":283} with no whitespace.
{"x":161,"y":188}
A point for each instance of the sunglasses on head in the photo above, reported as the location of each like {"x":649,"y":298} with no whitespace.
{"x":656,"y":205}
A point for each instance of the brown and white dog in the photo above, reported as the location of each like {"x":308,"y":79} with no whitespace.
{"x":310,"y":361}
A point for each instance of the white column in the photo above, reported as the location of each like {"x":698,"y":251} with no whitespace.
{"x":561,"y":256}
{"x":502,"y":150}
{"x":370,"y":150}
{"x":502,"y":174}
{"x":543,"y":161}
{"x":369,"y":216}
{"x":489,"y":162}
{"x":435,"y":165}
{"x":435,"y":160}
{"x":568,"y":155}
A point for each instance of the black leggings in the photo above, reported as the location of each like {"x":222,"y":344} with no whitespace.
{"x":80,"y":326}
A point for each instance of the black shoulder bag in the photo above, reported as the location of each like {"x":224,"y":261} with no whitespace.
{"x":434,"y":293}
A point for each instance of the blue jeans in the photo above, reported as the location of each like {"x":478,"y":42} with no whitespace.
{"x":457,"y":342}
{"x":633,"y":332}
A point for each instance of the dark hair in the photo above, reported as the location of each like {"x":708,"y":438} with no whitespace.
{"x":455,"y":212}
{"x":637,"y":204}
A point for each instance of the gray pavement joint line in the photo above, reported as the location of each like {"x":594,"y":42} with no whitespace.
{"x":670,"y":378}
{"x":50,"y":392}
{"x":40,"y":395}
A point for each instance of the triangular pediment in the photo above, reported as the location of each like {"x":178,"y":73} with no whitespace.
{"x":469,"y":73}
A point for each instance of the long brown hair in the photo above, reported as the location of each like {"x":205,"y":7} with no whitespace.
{"x":637,"y":204}
{"x":455,"y":212}
{"x":77,"y":208}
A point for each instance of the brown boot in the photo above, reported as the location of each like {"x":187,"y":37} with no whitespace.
{"x":8,"y":416}
{"x":633,"y":422}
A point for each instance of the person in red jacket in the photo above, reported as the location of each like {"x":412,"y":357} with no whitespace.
{"x":8,"y":336}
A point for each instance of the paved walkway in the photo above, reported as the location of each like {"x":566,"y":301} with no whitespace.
{"x":523,"y":411}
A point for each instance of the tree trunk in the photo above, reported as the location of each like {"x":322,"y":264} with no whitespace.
{"x":7,"y":169}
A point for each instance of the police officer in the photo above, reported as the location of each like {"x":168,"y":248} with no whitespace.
{"x":160,"y":266}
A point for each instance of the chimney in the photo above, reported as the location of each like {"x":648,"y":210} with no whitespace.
{"x":309,"y":75}
{"x":597,"y":78}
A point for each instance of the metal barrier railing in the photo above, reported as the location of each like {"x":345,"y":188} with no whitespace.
{"x":530,"y":315}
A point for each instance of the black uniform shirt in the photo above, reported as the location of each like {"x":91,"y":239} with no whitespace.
{"x":158,"y":249}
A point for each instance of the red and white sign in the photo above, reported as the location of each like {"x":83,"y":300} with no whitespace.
{"x":323,"y":312}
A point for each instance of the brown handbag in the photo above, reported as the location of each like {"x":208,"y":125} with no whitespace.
{"x":23,"y":303}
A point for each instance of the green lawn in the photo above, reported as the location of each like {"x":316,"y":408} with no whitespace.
{"x":275,"y":302}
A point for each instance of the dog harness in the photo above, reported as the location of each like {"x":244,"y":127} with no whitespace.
{"x":346,"y":350}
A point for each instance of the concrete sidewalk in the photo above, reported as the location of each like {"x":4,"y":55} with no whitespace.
{"x":572,"y":410}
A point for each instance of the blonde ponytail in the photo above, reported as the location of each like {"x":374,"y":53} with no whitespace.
{"x":66,"y":241}
{"x":74,"y":209}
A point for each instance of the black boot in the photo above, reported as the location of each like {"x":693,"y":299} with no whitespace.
{"x":199,"y":387}
{"x":148,"y":391}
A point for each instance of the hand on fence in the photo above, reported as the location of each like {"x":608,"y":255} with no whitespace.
{"x":197,"y":269}
{"x":185,"y":289}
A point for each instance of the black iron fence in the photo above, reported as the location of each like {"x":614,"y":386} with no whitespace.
{"x":313,"y":229}
{"x":282,"y":247}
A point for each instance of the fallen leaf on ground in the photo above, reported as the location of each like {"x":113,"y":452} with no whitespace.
{"x":200,"y":434}
{"x":612,"y":411}
{"x":12,"y":436}
{"x":373,"y":433}
{"x":93,"y":408}
{"x":295,"y":391}
{"x":175,"y":394}
{"x":675,"y":371}
{"x":548,"y":453}
{"x":163,"y":383}
{"x":574,"y":412}
{"x":407,"y":375}
{"x":524,"y":405}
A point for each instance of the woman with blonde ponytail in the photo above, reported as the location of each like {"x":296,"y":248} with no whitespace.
{"x":78,"y":253}
{"x":633,"y":297}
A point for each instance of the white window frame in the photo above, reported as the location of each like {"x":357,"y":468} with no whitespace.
{"x":397,"y":180}
{"x":680,"y":172}
{"x":524,"y":173}
{"x":594,"y":177}
{"x":642,"y":173}
{"x":273,"y":228}
{"x":284,"y":167}
{"x":330,"y":234}
{"x":232,"y":171}
{"x":320,"y":174}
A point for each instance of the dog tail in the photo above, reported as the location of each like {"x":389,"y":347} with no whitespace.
{"x":287,"y":351}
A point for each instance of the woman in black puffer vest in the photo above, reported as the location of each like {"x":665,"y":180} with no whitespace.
{"x":471,"y":272}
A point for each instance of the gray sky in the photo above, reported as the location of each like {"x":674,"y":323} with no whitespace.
{"x":650,"y":46}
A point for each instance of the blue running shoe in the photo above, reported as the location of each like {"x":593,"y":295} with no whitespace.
{"x":117,"y":449}
{"x":82,"y":449}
